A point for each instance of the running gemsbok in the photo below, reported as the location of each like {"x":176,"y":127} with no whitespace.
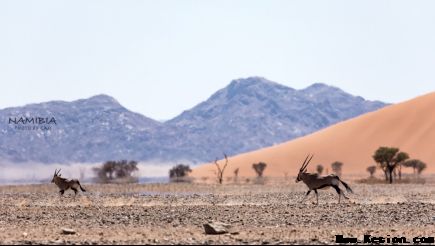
{"x":315,"y":182}
{"x":65,"y":184}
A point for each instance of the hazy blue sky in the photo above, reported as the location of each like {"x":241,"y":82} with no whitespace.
{"x":162,"y":57}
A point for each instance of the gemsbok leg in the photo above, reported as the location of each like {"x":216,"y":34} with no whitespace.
{"x":306,"y":195}
{"x":340,"y":192}
{"x":75,"y":191}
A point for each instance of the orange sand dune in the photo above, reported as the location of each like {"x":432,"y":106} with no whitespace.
{"x":409,"y":126}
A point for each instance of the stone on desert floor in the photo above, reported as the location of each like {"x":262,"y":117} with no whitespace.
{"x":214,"y":228}
{"x":68,"y":231}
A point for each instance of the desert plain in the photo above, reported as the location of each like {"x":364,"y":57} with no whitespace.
{"x":174,"y":213}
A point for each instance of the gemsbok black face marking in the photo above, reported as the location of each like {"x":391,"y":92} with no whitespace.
{"x":315,"y":182}
{"x":65,"y":184}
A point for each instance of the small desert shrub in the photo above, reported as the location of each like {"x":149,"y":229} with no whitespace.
{"x":319,"y":169}
{"x":336,"y":167}
{"x":371,"y":170}
{"x":236,"y":175}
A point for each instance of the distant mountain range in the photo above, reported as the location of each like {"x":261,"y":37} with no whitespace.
{"x":248,"y":114}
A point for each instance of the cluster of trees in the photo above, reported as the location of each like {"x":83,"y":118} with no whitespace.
{"x":336,"y":168}
{"x":179,"y":173}
{"x":390,"y":160}
{"x":113,"y":171}
{"x":416,"y":165}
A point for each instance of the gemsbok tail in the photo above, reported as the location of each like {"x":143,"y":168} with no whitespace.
{"x":81,"y":188}
{"x":346,"y":186}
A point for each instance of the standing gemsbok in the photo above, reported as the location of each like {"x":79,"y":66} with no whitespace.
{"x":315,"y":182}
{"x":65,"y":184}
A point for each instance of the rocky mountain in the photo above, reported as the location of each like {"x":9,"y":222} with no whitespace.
{"x":93,"y":129}
{"x":248,"y":114}
{"x":253,"y":113}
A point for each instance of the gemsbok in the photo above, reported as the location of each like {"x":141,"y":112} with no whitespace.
{"x":65,"y":184}
{"x":315,"y":182}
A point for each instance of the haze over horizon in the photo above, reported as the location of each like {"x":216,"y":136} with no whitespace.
{"x":159,"y":58}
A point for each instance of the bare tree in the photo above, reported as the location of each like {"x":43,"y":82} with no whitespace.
{"x":371,"y":170}
{"x":319,"y":169}
{"x":220,"y":170}
{"x":259,"y":168}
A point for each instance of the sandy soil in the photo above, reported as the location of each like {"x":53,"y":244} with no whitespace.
{"x":175,"y":213}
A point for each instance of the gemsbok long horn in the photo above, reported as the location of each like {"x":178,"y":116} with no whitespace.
{"x":305,"y":164}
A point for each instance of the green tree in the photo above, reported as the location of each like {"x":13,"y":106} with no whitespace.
{"x":388,"y":159}
{"x":259,"y":168}
{"x":420,"y":167}
{"x":416,"y":165}
{"x":124,"y":168}
{"x":178,"y":172}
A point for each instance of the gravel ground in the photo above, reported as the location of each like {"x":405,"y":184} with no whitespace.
{"x":175,"y":214}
